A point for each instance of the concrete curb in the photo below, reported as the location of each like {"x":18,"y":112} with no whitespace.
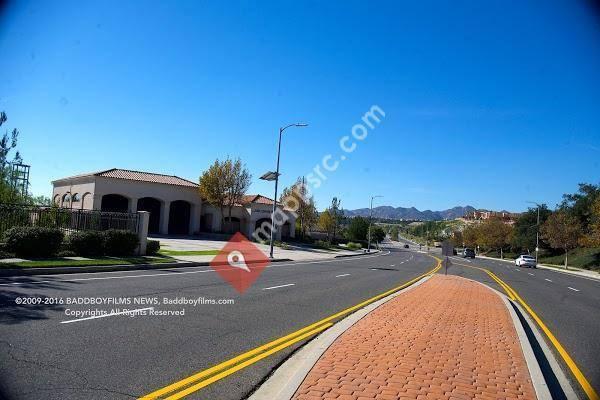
{"x":105,"y":268}
{"x":537,"y":377}
{"x":286,"y":379}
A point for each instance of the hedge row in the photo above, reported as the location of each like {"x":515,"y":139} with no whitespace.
{"x":36,"y":242}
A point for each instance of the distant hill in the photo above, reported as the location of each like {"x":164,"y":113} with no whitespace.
{"x":412,"y":213}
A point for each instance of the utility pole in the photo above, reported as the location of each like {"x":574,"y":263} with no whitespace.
{"x":370,"y":219}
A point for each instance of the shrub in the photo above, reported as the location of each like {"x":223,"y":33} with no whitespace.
{"x":353,"y":246}
{"x":152,"y":247}
{"x":119,"y":242}
{"x":66,"y":253}
{"x":33,"y":241}
{"x":5,"y":254}
{"x":87,"y":243}
{"x":323,"y":244}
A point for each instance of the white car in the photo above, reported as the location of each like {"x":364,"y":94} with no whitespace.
{"x":525,"y":261}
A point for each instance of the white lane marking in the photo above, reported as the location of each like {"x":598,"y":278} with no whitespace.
{"x":393,"y":265}
{"x":279,"y":286}
{"x":518,"y":270}
{"x":577,"y":290}
{"x":177,"y":273}
{"x":107,"y":315}
{"x":339,"y":276}
{"x":549,"y":280}
{"x":531,"y":274}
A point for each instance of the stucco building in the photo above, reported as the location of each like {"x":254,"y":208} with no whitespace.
{"x":174,"y":203}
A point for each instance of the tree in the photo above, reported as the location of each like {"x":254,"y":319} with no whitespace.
{"x":525,"y":228}
{"x":494,"y":234}
{"x":592,"y":238}
{"x":395,"y":233}
{"x":580,"y":204}
{"x":336,"y":214}
{"x":470,"y":235}
{"x":326,"y":223}
{"x":298,"y":199}
{"x":223,"y":184}
{"x":562,"y":230}
{"x":377,"y":233}
{"x":457,"y":239}
{"x":8,"y":142}
{"x":237,"y":182}
{"x":358,"y":228}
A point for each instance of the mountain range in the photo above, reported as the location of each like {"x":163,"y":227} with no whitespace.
{"x":389,"y":212}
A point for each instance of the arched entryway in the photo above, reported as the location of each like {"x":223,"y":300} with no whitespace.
{"x":114,"y":203}
{"x":151,"y":205}
{"x":179,"y":218}
{"x":263,"y":228}
{"x":232,"y":226}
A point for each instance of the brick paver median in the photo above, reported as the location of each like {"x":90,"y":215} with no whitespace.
{"x":449,"y":338}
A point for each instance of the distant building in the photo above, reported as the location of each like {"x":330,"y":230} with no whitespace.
{"x":174,"y":203}
{"x":482,"y":215}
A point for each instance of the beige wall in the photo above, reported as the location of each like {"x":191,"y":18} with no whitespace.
{"x":92,"y":188}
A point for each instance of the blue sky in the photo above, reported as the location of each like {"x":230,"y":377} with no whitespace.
{"x":486,"y":104}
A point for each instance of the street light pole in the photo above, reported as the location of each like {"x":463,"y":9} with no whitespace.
{"x":277,"y":183}
{"x":370,"y":219}
{"x":537,"y":231}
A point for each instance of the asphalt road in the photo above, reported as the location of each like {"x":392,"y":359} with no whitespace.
{"x":125,"y":357}
{"x":569,"y":306}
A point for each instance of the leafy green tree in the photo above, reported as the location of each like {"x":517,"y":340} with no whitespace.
{"x":395,"y":233}
{"x":471,"y":235}
{"x":580,"y":204}
{"x":358,"y":228}
{"x":525,"y":228}
{"x":377,"y":233}
{"x":494,"y":234}
{"x":592,"y":238}
{"x":8,"y":143}
{"x":562,"y":230}
{"x":336,"y":214}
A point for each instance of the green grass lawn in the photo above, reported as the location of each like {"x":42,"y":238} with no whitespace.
{"x":61,"y":262}
{"x":188,"y":252}
{"x":587,"y":258}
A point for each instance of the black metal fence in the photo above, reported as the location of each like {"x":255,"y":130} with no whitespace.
{"x":66,"y":219}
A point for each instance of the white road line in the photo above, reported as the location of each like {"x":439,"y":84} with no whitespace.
{"x":577,"y":290}
{"x":279,"y":286}
{"x":393,"y":265}
{"x":531,"y":274}
{"x":339,"y":276}
{"x":175,"y":273}
{"x":518,"y":270}
{"x":549,"y":280}
{"x":107,"y":315}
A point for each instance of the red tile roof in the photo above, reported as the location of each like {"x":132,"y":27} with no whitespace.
{"x":139,"y":176}
{"x":256,"y":198}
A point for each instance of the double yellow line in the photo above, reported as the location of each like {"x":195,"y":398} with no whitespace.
{"x":585,"y":384}
{"x":201,"y":379}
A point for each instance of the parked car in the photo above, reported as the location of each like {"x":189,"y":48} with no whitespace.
{"x":525,"y":260}
{"x":406,"y":246}
{"x":470,"y":253}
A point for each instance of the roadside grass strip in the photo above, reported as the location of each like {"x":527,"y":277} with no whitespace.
{"x":585,"y":384}
{"x":201,"y":379}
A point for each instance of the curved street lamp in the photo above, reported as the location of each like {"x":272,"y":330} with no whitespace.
{"x":276,"y":178}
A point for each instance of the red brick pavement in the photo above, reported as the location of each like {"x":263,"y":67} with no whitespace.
{"x":449,"y":338}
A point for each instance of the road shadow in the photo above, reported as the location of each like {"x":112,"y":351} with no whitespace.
{"x":11,"y":312}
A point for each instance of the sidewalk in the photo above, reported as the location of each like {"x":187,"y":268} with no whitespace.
{"x":294,"y":253}
{"x":449,"y":338}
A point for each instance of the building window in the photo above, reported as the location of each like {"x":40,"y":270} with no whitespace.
{"x":76,"y":198}
{"x":66,"y":200}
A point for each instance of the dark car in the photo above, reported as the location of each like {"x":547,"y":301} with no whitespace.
{"x":406,"y":246}
{"x":470,"y":253}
